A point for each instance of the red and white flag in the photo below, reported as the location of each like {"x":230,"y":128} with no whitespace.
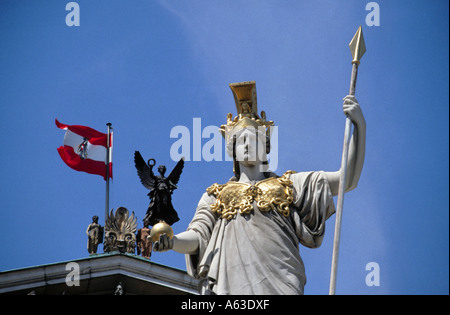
{"x":86,"y":149}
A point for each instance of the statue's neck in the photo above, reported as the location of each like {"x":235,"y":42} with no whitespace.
{"x":250,"y":174}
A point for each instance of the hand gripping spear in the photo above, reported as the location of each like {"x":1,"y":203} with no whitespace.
{"x":357,"y":48}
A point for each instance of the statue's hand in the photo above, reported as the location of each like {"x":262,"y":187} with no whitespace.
{"x":163,"y":244}
{"x":353,"y":110}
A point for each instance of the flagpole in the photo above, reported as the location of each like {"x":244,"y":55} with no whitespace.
{"x":107,"y":170}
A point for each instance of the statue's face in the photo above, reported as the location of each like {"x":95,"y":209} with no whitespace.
{"x":161,"y":170}
{"x":247,"y":148}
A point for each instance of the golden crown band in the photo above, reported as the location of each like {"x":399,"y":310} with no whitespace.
{"x":231,"y":129}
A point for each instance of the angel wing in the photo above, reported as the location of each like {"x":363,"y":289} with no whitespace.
{"x":145,"y":173}
{"x":174,"y":176}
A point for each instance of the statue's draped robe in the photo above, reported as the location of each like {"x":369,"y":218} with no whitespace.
{"x":160,"y":207}
{"x":258,"y":253}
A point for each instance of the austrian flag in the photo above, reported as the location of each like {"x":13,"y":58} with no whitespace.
{"x":86,"y":149}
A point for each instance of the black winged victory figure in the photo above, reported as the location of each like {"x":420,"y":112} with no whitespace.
{"x":161,"y":189}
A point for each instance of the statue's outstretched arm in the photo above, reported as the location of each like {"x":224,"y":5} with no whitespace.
{"x":185,"y":243}
{"x":357,"y":148}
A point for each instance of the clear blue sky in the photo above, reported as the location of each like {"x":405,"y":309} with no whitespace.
{"x":148,"y":66}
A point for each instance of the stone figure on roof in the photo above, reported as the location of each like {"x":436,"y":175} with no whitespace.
{"x":143,"y":242}
{"x":94,"y":233}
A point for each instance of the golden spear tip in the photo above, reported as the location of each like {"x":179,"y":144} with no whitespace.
{"x":357,"y":46}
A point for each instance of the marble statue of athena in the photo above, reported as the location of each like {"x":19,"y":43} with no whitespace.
{"x":245,"y":235}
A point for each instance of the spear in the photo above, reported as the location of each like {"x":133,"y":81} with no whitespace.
{"x":357,"y":48}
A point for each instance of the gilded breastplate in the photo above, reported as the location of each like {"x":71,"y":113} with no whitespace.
{"x":273,"y":193}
